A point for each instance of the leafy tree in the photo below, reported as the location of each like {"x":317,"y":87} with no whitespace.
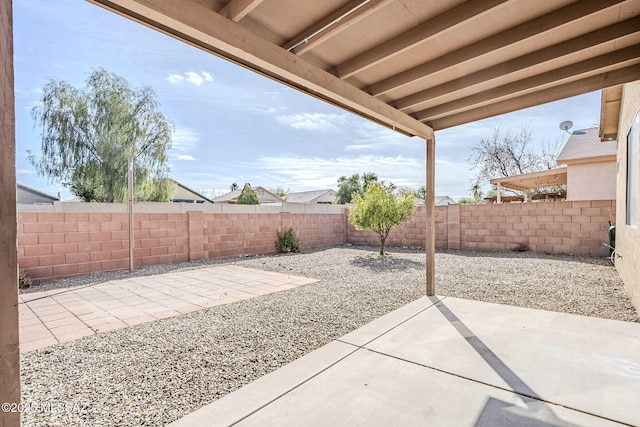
{"x":234,"y":186}
{"x":421,"y":193}
{"x":88,"y":135}
{"x":381,"y":209}
{"x":477,"y":198}
{"x":281,"y":192}
{"x":355,"y":184}
{"x":248,"y":196}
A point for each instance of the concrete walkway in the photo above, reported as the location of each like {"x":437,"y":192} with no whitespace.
{"x":452,"y":362}
{"x":60,"y":315}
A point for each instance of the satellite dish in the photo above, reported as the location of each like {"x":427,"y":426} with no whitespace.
{"x":566,"y":125}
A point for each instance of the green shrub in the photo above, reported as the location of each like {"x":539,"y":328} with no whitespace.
{"x":24,"y":282}
{"x":287,"y":241}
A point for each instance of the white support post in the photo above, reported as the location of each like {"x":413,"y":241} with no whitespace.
{"x":499,"y":193}
{"x":130,"y":185}
{"x":430,"y":244}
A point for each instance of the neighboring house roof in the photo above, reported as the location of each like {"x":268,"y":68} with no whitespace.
{"x":27,"y":195}
{"x":444,"y":200}
{"x":186,"y":195}
{"x":314,"y":196}
{"x":264,"y":196}
{"x":438,"y":201}
{"x":585,"y":146}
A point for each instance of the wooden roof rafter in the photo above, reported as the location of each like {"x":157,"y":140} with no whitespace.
{"x":414,"y":65}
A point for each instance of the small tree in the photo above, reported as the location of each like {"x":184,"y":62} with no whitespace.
{"x":281,"y":192}
{"x":248,"y":196}
{"x":381,"y":209}
{"x":233,"y":186}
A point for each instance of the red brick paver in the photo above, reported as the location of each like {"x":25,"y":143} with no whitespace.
{"x":60,"y":315}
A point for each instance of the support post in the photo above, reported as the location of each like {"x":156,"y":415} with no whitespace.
{"x":499,"y":193}
{"x":130,"y":185}
{"x":9,"y":330}
{"x":430,"y":245}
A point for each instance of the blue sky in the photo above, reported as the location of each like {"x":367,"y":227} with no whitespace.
{"x":233,"y":125}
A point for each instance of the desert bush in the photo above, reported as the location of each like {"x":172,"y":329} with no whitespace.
{"x":24,"y":281}
{"x":287,"y":241}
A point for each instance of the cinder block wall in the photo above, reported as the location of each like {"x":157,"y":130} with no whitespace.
{"x":56,"y":244}
{"x":59,"y":243}
{"x":579,"y":227}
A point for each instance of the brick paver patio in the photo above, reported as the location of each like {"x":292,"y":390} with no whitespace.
{"x":60,"y":315}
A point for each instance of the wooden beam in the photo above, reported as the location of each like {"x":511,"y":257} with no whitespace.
{"x":238,"y":9}
{"x":430,"y":202}
{"x":559,"y":17}
{"x":332,"y":25}
{"x":568,"y":47}
{"x":610,"y":102}
{"x":193,"y":23}
{"x":521,"y":86}
{"x":415,"y":36}
{"x":565,"y":90}
{"x":9,"y":332}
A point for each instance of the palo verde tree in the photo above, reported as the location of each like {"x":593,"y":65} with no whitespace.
{"x":88,"y":135}
{"x":248,"y":196}
{"x":380,"y":209}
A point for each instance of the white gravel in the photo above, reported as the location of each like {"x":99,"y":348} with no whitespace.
{"x":154,"y":373}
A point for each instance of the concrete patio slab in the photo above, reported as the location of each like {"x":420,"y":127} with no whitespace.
{"x":60,"y":315}
{"x":448,"y":361}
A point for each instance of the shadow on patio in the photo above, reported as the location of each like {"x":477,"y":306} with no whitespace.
{"x":448,"y":361}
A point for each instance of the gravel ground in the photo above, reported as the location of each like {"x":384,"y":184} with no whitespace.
{"x":154,"y":373}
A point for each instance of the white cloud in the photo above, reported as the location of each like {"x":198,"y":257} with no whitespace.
{"x":314,"y":121}
{"x":191,"y":77}
{"x":315,"y":172}
{"x":25,"y":172}
{"x":175,"y":79}
{"x":207,"y":77}
{"x":184,"y":140}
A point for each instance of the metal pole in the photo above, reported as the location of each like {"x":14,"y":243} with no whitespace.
{"x":430,"y":245}
{"x":130,"y":210}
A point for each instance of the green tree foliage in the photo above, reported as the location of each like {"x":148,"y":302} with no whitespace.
{"x":248,"y":196}
{"x":281,"y":192}
{"x":88,"y":135}
{"x":287,"y":241}
{"x":355,"y":184}
{"x":381,"y":209}
{"x":421,"y":193}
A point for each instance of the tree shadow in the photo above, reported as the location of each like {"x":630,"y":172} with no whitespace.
{"x":388,"y":263}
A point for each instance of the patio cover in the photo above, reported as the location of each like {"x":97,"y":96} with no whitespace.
{"x":531,"y":181}
{"x":413,"y":65}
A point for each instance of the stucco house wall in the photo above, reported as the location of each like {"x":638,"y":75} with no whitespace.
{"x":627,"y":237}
{"x":591,"y":181}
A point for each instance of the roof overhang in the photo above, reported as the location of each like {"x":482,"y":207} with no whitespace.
{"x":593,"y":159}
{"x":610,"y":112}
{"x":530,"y":181}
{"x":414,"y":65}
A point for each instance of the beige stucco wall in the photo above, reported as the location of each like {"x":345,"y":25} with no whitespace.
{"x":591,"y":181}
{"x":627,"y":238}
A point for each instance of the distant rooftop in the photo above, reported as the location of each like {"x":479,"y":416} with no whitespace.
{"x":584,"y":144}
{"x":308,"y":196}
